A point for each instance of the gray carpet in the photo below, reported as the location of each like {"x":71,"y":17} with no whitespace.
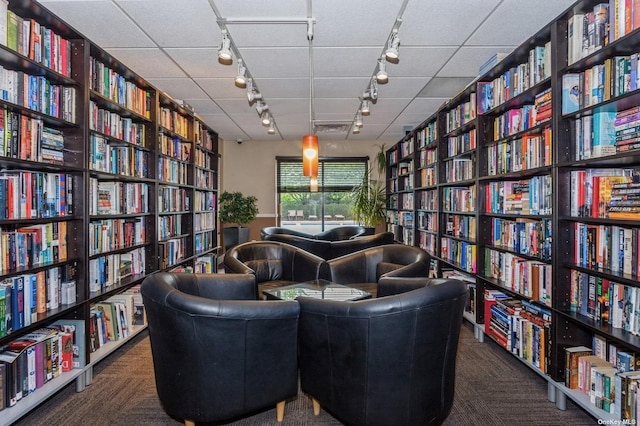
{"x":492,"y":388}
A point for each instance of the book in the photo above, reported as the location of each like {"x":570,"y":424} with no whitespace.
{"x":570,"y":93}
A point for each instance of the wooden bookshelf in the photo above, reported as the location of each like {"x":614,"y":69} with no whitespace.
{"x":85,"y":155}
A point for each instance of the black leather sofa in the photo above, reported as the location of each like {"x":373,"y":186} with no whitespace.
{"x":386,"y":361}
{"x":334,"y":234}
{"x":332,"y":249}
{"x":363,"y":269}
{"x":273,"y":264}
{"x":219,"y":354}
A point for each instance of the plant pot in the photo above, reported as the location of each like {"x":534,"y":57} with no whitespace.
{"x":235,"y":235}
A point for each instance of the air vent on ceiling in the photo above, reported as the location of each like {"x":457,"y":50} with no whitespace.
{"x":331,"y":126}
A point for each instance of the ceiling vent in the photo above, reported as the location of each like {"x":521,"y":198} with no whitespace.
{"x":331,"y":126}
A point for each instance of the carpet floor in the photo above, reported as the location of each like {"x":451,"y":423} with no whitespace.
{"x":492,"y":388}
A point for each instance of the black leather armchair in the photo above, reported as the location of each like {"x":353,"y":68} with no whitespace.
{"x":363,"y":269}
{"x":341,"y":233}
{"x":270,"y":230}
{"x":385,"y":361}
{"x":273,"y":264}
{"x":332,"y":249}
{"x":217,"y":358}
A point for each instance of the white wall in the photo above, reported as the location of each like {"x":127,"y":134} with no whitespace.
{"x":250,"y":167}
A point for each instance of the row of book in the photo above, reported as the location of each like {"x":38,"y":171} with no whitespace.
{"x":605,"y":193}
{"x":115,"y":197}
{"x":31,"y":195}
{"x":33,"y":360}
{"x":607,"y":247}
{"x":204,"y":221}
{"x":515,"y":80}
{"x":614,"y":77}
{"x":459,"y":169}
{"x":113,"y":86}
{"x":530,"y":278}
{"x":203,"y":159}
{"x":205,"y":178}
{"x":520,"y":119}
{"x":116,"y":158}
{"x":203,"y":241}
{"x":428,"y":157}
{"x":115,"y":126}
{"x":427,"y":242}
{"x":460,"y":226}
{"x":32,"y":245}
{"x":39,"y":94}
{"x":27,"y":138}
{"x":106,"y":271}
{"x":172,"y":171}
{"x":171,"y":252}
{"x":428,"y":221}
{"x":174,"y":122}
{"x":462,"y":114}
{"x":429,"y":200}
{"x":113,"y":234}
{"x":173,"y":199}
{"x":523,"y":197}
{"x":428,"y":176}
{"x":174,"y":147}
{"x":605,"y":301}
{"x":203,"y":138}
{"x":34,"y":40}
{"x":461,"y":253}
{"x":202,"y":265}
{"x":521,"y":327}
{"x":427,"y":135}
{"x":604,"y":24}
{"x":461,"y":143}
{"x":169,"y":226}
{"x":24,"y":297}
{"x":113,"y":319}
{"x":204,"y":201}
{"x":459,"y":199}
{"x":608,"y":374}
{"x":523,"y":236}
{"x":525,"y":153}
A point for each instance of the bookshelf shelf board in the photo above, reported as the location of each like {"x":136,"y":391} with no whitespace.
{"x":125,"y":283}
{"x":538,"y":171}
{"x":118,"y":250}
{"x":47,"y":119}
{"x":624,"y":46}
{"x":110,"y":105}
{"x":16,"y":61}
{"x":103,"y":351}
{"x":614,"y":334}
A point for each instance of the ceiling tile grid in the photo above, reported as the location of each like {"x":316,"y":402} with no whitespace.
{"x":174,"y":44}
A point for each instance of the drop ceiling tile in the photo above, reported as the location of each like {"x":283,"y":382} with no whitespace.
{"x":179,"y":88}
{"x":148,"y":62}
{"x":444,"y":87}
{"x":401,"y":87}
{"x":284,"y":88}
{"x":466,"y":62}
{"x":201,"y":105}
{"x":101,"y":21}
{"x":345,"y":61}
{"x":516,"y":26}
{"x":221,"y":88}
{"x":268,"y":35}
{"x":354,"y":23}
{"x":260,"y":8}
{"x":336,"y":106}
{"x":420,"y":61}
{"x":277,"y":62}
{"x":424,"y":107}
{"x":340,"y":87}
{"x":201,"y":62}
{"x":236,"y":107}
{"x":442,"y":23}
{"x":287,"y":107}
{"x":167,"y":21}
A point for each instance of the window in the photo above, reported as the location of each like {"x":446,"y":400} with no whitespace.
{"x":330,"y":206}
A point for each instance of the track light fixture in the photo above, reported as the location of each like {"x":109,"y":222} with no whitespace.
{"x":358,"y":122}
{"x":392,"y":53}
{"x":224,"y":52}
{"x":382,"y":77}
{"x":266,"y":118}
{"x":355,"y":130}
{"x":261,"y":107}
{"x":272,"y":129}
{"x":241,"y":78}
{"x":364,"y":108}
{"x":373,"y":90}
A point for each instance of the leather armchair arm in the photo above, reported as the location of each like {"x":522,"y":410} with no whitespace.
{"x":417,"y":269}
{"x":233,"y":265}
{"x":350,"y":268}
{"x":389,"y":285}
{"x":306,"y":266}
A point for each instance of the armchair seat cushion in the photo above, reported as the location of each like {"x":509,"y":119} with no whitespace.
{"x":266,"y":269}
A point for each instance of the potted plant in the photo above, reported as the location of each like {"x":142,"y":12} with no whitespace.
{"x":235,"y":208}
{"x":370,"y":196}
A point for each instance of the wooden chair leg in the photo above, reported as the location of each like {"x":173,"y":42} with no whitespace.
{"x":316,"y":407}
{"x":280,"y":411}
{"x":189,"y":423}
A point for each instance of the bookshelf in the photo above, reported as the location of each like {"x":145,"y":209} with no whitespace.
{"x":83,"y":137}
{"x":400,"y":190}
{"x":541,"y":186}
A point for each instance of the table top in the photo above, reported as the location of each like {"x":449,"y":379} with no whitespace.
{"x":319,"y":289}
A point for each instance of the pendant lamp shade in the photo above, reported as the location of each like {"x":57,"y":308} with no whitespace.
{"x":310,"y":155}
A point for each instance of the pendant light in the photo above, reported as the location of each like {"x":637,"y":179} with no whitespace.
{"x":310,"y":155}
